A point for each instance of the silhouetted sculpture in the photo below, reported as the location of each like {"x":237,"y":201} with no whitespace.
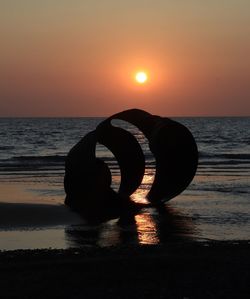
{"x":88,"y":179}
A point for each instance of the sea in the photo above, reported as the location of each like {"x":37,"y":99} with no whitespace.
{"x":214,"y":207}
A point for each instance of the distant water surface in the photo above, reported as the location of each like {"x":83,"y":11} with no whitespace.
{"x":216,"y":206}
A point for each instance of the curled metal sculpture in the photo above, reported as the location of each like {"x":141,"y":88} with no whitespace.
{"x":88,"y":179}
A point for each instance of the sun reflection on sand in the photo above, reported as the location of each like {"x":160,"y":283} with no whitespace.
{"x":140,"y":195}
{"x":146,"y":229}
{"x":151,"y":226}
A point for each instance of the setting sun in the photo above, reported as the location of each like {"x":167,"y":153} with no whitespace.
{"x":141,"y":77}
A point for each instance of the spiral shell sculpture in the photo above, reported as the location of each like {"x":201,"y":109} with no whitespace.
{"x":88,"y":179}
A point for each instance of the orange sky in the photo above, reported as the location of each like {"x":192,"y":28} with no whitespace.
{"x":78,"y":58}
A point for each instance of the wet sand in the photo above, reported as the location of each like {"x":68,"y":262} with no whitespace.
{"x":177,"y":270}
{"x":20,"y":215}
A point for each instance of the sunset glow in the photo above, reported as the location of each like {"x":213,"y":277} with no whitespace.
{"x":94,"y":58}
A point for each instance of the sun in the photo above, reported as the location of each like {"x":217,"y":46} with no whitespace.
{"x":141,"y":77}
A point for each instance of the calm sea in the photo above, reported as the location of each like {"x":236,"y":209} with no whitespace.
{"x":216,"y":205}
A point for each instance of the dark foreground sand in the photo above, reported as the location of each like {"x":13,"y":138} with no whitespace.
{"x":190,"y":270}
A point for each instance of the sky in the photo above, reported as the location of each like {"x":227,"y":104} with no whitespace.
{"x":78,"y":58}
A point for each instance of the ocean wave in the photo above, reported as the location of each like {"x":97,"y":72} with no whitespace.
{"x":223,"y":162}
{"x":47,"y":162}
{"x":32,"y":162}
{"x":54,"y":158}
{"x":236,"y":156}
{"x":6,"y":147}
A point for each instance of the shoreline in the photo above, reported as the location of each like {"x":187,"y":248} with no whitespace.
{"x":177,"y":270}
{"x":29,"y":226}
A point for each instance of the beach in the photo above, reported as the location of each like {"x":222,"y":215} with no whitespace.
{"x":125,"y":149}
{"x":190,"y":270}
{"x":196,"y":247}
{"x":214,"y":207}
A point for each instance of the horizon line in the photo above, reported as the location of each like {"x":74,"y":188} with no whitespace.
{"x":106,"y":116}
